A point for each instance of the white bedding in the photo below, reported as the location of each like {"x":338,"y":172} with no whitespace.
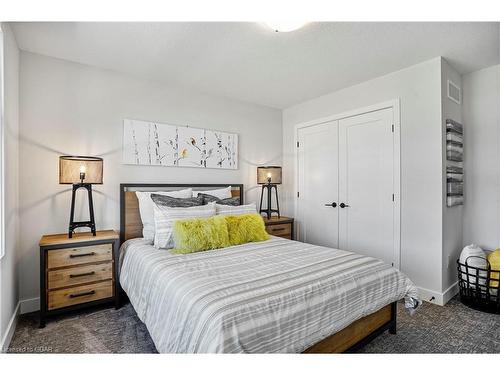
{"x":272,"y":296}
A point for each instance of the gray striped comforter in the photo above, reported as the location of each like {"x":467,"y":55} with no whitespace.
{"x":266,"y":297}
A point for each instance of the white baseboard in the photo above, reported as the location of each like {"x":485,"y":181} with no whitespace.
{"x":451,"y":292}
{"x":30,"y":305}
{"x":431,"y":296}
{"x":4,"y":345}
{"x":438,"y":298}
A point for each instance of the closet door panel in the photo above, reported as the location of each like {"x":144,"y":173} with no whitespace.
{"x":366,"y":224}
{"x":318,"y":184}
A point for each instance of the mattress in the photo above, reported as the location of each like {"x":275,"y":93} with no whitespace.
{"x":275,"y":296}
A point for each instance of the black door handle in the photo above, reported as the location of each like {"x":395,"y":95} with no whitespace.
{"x":334,"y":204}
{"x":343,"y":205}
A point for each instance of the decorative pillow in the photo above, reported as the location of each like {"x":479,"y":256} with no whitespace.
{"x":236,"y":210}
{"x":164,"y":200}
{"x":146,"y":208}
{"x":246,"y":228}
{"x":166,"y":216}
{"x":219,"y":193}
{"x":193,"y":235}
{"x":235,"y":201}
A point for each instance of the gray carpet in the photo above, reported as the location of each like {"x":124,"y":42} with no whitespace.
{"x":454,"y":328}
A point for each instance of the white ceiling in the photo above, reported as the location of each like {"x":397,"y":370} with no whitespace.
{"x":249,"y":62}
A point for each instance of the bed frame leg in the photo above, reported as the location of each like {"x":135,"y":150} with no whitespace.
{"x":394,"y":308}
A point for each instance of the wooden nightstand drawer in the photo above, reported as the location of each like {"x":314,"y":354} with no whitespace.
{"x":80,"y":275}
{"x":280,"y":226}
{"x":79,"y":255}
{"x":279,"y":229}
{"x":80,"y":294}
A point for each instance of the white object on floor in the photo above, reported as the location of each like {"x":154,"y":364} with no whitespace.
{"x":475,"y":257}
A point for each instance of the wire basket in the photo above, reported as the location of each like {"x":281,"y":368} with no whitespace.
{"x":479,"y":287}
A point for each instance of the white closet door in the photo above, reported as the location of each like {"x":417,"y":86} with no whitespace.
{"x":318,"y":184}
{"x":366,"y":181}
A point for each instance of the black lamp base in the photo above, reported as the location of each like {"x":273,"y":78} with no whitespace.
{"x":79,"y":224}
{"x":269,"y":211}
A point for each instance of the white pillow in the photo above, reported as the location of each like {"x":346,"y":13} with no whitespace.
{"x":219,"y":193}
{"x":223,"y":209}
{"x":146,"y":205}
{"x":166,"y":216}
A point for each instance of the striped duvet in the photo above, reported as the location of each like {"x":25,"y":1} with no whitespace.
{"x":266,"y":297}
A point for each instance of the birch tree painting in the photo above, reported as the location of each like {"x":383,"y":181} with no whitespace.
{"x":222,"y":149}
{"x":151,"y":143}
{"x":191,"y":142}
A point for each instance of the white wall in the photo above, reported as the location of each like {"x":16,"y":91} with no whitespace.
{"x":8,"y":264}
{"x":452,"y":216}
{"x":481,"y":117}
{"x":67,"y":108}
{"x":419,"y":90}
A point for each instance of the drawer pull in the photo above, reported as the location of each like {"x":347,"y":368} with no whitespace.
{"x":82,"y":255}
{"x":277,"y":229}
{"x":89,"y":293}
{"x":83,"y":274}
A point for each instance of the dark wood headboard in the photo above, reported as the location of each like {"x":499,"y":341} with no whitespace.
{"x":130,"y":218}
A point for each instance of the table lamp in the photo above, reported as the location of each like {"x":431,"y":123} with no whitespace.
{"x":81,"y":172}
{"x":269,"y":177}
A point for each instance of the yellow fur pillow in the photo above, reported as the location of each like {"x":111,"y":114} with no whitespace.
{"x":246,"y":228}
{"x":193,"y":235}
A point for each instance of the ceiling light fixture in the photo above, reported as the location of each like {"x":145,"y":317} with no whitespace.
{"x":285,"y":26}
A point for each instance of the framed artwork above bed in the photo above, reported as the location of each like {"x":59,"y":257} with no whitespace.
{"x":154,"y":143}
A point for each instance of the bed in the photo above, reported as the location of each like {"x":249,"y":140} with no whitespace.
{"x":275,"y":296}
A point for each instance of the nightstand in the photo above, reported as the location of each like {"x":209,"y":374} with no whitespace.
{"x":280,"y":227}
{"x":78,"y":272}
